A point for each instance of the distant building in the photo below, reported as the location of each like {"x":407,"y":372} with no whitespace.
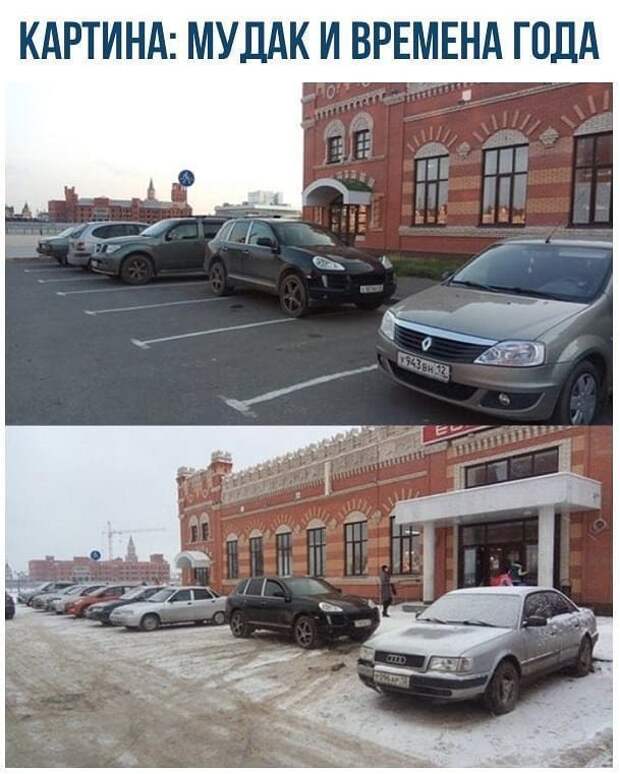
{"x":8,"y":572}
{"x":83,"y":568}
{"x":77,"y":209}
{"x":26,"y":212}
{"x":268,"y":204}
{"x":9,"y":212}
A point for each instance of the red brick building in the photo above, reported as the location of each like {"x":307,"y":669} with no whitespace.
{"x":342,"y":508}
{"x":453,"y":167}
{"x":83,"y":568}
{"x":77,"y":209}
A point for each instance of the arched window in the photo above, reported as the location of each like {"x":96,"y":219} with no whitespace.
{"x":204,"y":527}
{"x":232,"y":556}
{"x":431,"y":185}
{"x":284,"y":550}
{"x":356,"y":544}
{"x":334,"y":142}
{"x":193,"y":530}
{"x":504,"y":179}
{"x":316,"y":547}
{"x":361,"y":136}
{"x":593,"y":172}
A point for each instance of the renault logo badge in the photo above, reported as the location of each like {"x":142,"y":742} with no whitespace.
{"x":426,"y":344}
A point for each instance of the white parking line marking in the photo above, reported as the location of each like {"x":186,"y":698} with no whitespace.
{"x":243,"y":406}
{"x":145,"y":344}
{"x":58,"y":269}
{"x":152,"y":306}
{"x":117,"y":289}
{"x":75,"y":279}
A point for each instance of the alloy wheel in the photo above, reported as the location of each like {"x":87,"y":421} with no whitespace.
{"x":292,"y":295}
{"x":507,"y":689}
{"x":304,"y":632}
{"x":236,"y":624}
{"x":217,"y":279}
{"x":585,"y":656}
{"x":137,"y":269}
{"x":583,"y":400}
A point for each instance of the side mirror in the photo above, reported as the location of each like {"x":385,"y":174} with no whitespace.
{"x":279,"y":594}
{"x":535,"y":620}
{"x":446,"y":275}
{"x":266,"y":242}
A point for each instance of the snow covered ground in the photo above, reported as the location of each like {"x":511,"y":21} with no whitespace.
{"x":82,"y":694}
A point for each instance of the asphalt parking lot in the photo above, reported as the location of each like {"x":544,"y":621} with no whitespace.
{"x":80,"y":694}
{"x":86,"y":349}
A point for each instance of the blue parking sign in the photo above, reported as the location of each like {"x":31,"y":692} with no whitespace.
{"x":95,"y":555}
{"x":186,"y":177}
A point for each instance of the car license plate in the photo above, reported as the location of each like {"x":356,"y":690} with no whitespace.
{"x":420,"y":365}
{"x":371,"y":288}
{"x":386,"y":678}
{"x":362,"y":622}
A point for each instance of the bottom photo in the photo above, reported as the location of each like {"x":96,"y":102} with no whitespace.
{"x":307,"y":596}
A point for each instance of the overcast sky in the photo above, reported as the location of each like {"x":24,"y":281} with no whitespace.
{"x":112,"y":140}
{"x":64,"y":483}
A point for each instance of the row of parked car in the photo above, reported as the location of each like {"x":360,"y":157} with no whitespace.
{"x":470,"y":643}
{"x":522,"y":331}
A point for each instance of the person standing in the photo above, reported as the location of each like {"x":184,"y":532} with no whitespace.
{"x":387,"y":589}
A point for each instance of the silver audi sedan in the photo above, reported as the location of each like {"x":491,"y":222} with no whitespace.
{"x":172,"y":605}
{"x":482,"y":643}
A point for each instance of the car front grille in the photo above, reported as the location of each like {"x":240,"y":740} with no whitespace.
{"x":399,"y":659}
{"x":450,"y":390}
{"x":440,"y":347}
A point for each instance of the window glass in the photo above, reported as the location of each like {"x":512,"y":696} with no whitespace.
{"x":361,"y":142}
{"x":259,"y":230}
{"x":473,"y":535}
{"x":546,"y":462}
{"x":210,"y":229}
{"x":431,"y":191}
{"x":476,"y":475}
{"x":232,"y":561}
{"x":559,"y":605}
{"x":103,"y":232}
{"x":254,"y":587}
{"x":521,"y":467}
{"x":182,"y":596}
{"x":335,"y":147}
{"x":183,"y":231}
{"x":204,"y":527}
{"x":356,"y":538}
{"x":241,"y":587}
{"x":316,"y":551}
{"x":537,"y":604}
{"x":223,"y":234}
{"x":592,"y":180}
{"x":497,"y":471}
{"x":201,"y":594}
{"x":504,"y":185}
{"x":507,"y":532}
{"x":239,"y":231}
{"x":272,"y":589}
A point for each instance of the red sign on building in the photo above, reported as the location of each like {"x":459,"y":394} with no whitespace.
{"x":436,"y":433}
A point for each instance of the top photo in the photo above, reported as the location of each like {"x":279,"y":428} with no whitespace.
{"x":309,"y":254}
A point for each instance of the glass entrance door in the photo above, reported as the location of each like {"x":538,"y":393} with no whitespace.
{"x":201,"y":576}
{"x":488,"y":549}
{"x":347,"y":220}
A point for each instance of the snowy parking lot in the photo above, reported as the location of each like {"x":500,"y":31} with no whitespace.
{"x":80,"y":694}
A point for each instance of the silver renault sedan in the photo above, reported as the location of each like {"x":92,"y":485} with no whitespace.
{"x":172,"y":605}
{"x":482,"y":643}
{"x":523,"y":331}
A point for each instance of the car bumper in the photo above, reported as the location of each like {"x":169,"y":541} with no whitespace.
{"x":435,"y":685}
{"x":333,"y":625}
{"x":96,"y":615}
{"x":533,"y":392}
{"x":105,"y":266}
{"x":348,"y":288}
{"x":79,"y":259}
{"x":124,"y":620}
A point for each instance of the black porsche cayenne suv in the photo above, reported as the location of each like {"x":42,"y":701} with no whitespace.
{"x":300,"y":262}
{"x":309,"y":609}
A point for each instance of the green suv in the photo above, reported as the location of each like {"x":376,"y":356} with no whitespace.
{"x":171,"y":246}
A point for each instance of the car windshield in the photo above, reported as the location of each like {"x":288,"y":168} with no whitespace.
{"x":475,"y":610}
{"x":162,"y":595}
{"x":563,"y":272}
{"x":157,"y":229}
{"x":305,"y":587}
{"x":67,"y":232}
{"x":133,"y":593}
{"x":305,"y":235}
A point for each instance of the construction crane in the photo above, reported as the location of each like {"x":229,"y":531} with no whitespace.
{"x":109,"y":533}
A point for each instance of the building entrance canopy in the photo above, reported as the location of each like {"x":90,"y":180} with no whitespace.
{"x":322,"y":192}
{"x":539,"y":496}
{"x":194,"y":559}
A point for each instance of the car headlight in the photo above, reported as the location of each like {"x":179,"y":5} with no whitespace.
{"x":450,"y":664}
{"x":366,"y":653}
{"x":514,"y":353}
{"x":326,"y":264}
{"x":385,"y":261}
{"x":387,"y":325}
{"x":327,"y":607}
{"x":111,"y":248}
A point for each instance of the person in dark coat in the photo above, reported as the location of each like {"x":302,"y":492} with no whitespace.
{"x":387,"y":589}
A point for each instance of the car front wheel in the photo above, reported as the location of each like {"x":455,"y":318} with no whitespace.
{"x":502,"y":691}
{"x":306,"y":633}
{"x":293,"y":296}
{"x":219,"y":618}
{"x":137,"y":270}
{"x":583,"y":663}
{"x":149,"y":623}
{"x":580,"y":398}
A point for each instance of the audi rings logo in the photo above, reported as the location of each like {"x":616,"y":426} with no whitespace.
{"x":392,"y":659}
{"x":426,"y":344}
